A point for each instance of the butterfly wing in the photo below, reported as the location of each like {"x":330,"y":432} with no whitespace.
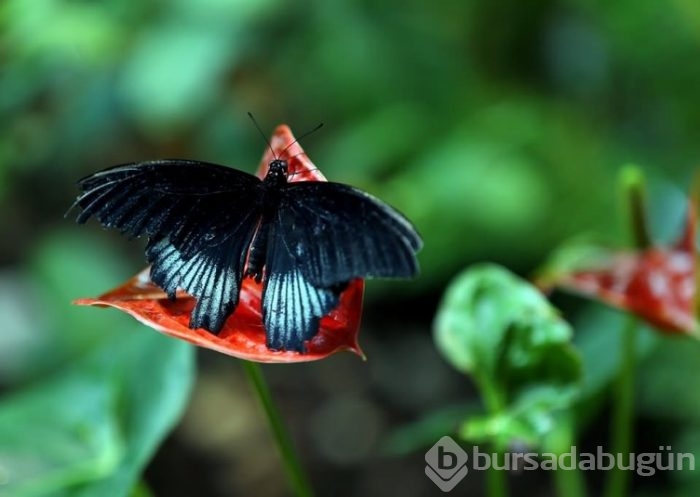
{"x":292,"y":306}
{"x":324,"y":235}
{"x":200,"y":219}
{"x":336,"y":233}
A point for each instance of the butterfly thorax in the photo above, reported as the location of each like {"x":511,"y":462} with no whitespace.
{"x":271,"y":187}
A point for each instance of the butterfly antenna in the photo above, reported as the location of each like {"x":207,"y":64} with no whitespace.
{"x":304,"y":135}
{"x":264,"y":137}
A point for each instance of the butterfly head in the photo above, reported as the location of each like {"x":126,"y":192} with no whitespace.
{"x":277,"y":172}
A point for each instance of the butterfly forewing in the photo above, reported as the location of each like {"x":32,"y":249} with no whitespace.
{"x":194,"y":203}
{"x":336,"y":233}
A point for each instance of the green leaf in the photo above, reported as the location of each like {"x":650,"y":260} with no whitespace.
{"x":665,"y":384}
{"x":156,"y":374}
{"x":529,"y":420}
{"x":60,"y":433}
{"x":102,"y":391}
{"x":504,"y":333}
{"x":599,"y":342}
{"x":90,"y":430}
{"x":64,"y":266}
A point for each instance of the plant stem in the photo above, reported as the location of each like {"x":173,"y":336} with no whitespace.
{"x":623,"y":411}
{"x":622,"y":427}
{"x":569,"y":482}
{"x":496,"y":480}
{"x":634,"y":194}
{"x":496,"y":484}
{"x":297,"y":478}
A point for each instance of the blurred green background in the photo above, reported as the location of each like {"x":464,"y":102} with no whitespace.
{"x":497,"y":127}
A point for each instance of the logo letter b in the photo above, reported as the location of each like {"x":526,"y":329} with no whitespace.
{"x":445,"y":454}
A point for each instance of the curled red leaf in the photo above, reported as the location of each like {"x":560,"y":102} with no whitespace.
{"x":657,"y":284}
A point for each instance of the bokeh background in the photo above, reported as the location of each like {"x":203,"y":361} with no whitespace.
{"x":497,"y":127}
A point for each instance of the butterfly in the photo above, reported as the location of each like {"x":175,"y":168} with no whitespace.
{"x":209,"y":226}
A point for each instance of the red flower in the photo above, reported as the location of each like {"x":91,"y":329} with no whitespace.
{"x":657,"y":283}
{"x":243,"y":335}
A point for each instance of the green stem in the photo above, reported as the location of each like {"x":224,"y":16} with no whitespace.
{"x":297,"y":478}
{"x":634,"y":196}
{"x":496,"y":480}
{"x":496,"y":484}
{"x":569,"y":482}
{"x":623,"y":412}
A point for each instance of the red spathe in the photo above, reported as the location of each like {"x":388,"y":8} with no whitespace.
{"x":657,"y":284}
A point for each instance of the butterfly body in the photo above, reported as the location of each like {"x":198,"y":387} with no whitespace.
{"x":210,"y":226}
{"x":269,"y":199}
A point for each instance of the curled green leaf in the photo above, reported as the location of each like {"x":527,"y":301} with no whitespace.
{"x":502,"y":331}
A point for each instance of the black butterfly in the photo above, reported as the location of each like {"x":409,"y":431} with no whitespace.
{"x":209,"y":226}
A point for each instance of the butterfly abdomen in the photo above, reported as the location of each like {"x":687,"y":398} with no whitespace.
{"x":270,"y":199}
{"x":258,"y":250}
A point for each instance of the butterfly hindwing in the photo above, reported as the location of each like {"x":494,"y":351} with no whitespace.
{"x":337,"y":233}
{"x":292,"y":306}
{"x":200,"y":219}
{"x":212,"y":275}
